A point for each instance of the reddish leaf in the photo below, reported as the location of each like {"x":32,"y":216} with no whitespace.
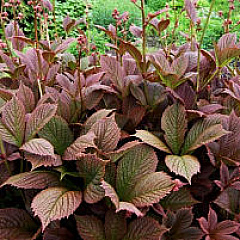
{"x":80,"y":144}
{"x":90,"y":228}
{"x":179,"y":226}
{"x":107,"y":133}
{"x":163,"y":24}
{"x":191,"y":10}
{"x":136,"y":31}
{"x":33,"y":180}
{"x":39,"y":117}
{"x":145,"y":228}
{"x":26,"y":96}
{"x":16,"y":224}
{"x":57,"y":234}
{"x":55,"y":203}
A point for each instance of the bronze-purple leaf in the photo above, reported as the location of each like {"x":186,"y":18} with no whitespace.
{"x":55,"y":203}
{"x":16,"y":224}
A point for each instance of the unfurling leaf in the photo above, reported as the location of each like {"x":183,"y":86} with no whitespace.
{"x":90,"y":228}
{"x":57,"y":132}
{"x":185,"y":165}
{"x":92,"y":169}
{"x":174,"y":125}
{"x":55,"y":203}
{"x":191,"y":10}
{"x":152,"y":140}
{"x":33,"y":180}
{"x":39,"y":117}
{"x":16,"y":224}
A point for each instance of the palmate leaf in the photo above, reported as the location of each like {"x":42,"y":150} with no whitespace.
{"x":33,"y":180}
{"x":204,"y":131}
{"x":174,"y":125}
{"x":13,"y":122}
{"x":150,"y":189}
{"x":137,"y":162}
{"x":16,"y":224}
{"x":90,"y":228}
{"x":107,"y":133}
{"x":55,"y":203}
{"x":39,"y":117}
{"x":57,"y":132}
{"x":186,"y":165}
{"x":151,"y":140}
{"x":92,"y":169}
{"x":145,"y":228}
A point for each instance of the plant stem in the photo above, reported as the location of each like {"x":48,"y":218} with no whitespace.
{"x":144,"y":38}
{"x":2,"y":148}
{"x":201,"y":42}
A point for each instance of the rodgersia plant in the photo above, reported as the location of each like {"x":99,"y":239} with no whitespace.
{"x":133,"y":146}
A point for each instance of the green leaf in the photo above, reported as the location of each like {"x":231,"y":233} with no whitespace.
{"x":13,"y":118}
{"x":185,"y":165}
{"x":150,"y":189}
{"x":204,"y":131}
{"x":137,"y":162}
{"x":152,"y":140}
{"x":92,"y":169}
{"x":145,"y":228}
{"x":90,"y":228}
{"x":39,"y":117}
{"x":178,"y":199}
{"x":6,"y":135}
{"x":55,"y":203}
{"x":57,"y":132}
{"x":174,"y":125}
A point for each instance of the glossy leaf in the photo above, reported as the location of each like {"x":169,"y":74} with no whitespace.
{"x":57,"y":132}
{"x":39,"y":117}
{"x":174,"y":125}
{"x":186,"y":165}
{"x":33,"y":180}
{"x":178,"y":199}
{"x":203,"y":132}
{"x":79,"y":146}
{"x":150,"y":189}
{"x":13,"y":118}
{"x":92,"y":169}
{"x":107,"y":133}
{"x":151,"y":140}
{"x":55,"y":203}
{"x":137,"y":162}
